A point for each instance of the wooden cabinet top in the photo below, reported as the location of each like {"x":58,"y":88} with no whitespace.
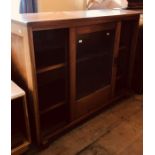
{"x":16,"y":91}
{"x":72,"y":16}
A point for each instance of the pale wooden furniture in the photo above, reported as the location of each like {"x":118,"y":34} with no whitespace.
{"x":20,"y":129}
{"x":72,"y":64}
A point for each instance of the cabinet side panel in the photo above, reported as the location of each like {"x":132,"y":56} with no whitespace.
{"x":23,"y":72}
{"x":133,"y":51}
{"x":115,"y":56}
{"x":18,"y":66}
{"x":32,"y":84}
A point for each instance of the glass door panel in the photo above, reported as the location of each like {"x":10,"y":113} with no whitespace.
{"x":94,"y":61}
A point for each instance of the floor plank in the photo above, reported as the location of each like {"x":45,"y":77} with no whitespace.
{"x":135,"y":148}
{"x":116,"y":131}
{"x":81,"y":137}
{"x":118,"y":138}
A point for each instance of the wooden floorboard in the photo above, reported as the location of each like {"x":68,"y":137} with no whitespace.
{"x":135,"y":148}
{"x":116,"y":131}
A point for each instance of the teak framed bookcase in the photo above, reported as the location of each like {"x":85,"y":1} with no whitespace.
{"x":72,"y":64}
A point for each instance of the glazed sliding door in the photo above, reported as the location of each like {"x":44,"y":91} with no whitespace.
{"x":94,"y":58}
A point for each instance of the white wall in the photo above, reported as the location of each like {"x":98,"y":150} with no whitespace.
{"x":61,"y":5}
{"x":53,"y":5}
{"x":15,"y":6}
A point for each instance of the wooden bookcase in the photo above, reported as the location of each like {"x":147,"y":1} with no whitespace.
{"x":50,"y":49}
{"x":72,"y":64}
{"x":20,"y":130}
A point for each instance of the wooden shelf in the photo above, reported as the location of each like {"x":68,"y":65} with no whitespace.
{"x":51,"y":94}
{"x":50,"y":68}
{"x":52,"y":107}
{"x":50,"y":48}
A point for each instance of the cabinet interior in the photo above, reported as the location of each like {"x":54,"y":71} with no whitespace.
{"x":94,"y":61}
{"x":123,"y":59}
{"x":50,"y":47}
{"x":18,"y":127}
{"x":54,"y":120}
{"x":51,"y":60}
